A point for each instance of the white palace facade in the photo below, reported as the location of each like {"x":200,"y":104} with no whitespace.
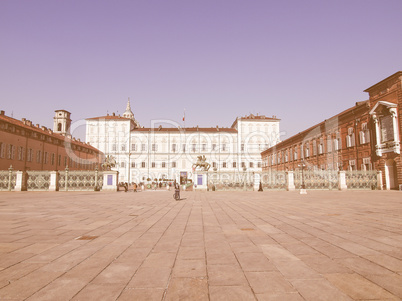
{"x":169,"y":152}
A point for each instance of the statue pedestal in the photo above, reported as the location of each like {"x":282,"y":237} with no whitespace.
{"x":200,"y":180}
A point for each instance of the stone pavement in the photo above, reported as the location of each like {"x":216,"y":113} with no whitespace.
{"x":326,"y":245}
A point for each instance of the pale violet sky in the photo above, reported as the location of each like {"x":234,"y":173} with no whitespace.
{"x":302,"y":61}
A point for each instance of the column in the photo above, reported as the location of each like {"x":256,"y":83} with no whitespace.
{"x":396,"y":130}
{"x":379,"y":180}
{"x":19,"y":181}
{"x":54,"y":181}
{"x":342,"y":180}
{"x":377,"y":136}
{"x":290,"y":181}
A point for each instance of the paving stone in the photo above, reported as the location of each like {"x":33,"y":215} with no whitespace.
{"x":358,"y":287}
{"x":275,"y":245}
{"x":268,"y":282}
{"x":231,"y":293}
{"x":187,"y":289}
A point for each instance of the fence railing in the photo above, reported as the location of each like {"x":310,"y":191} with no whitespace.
{"x":86,"y":180}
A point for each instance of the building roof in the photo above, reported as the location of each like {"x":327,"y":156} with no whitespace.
{"x":109,"y":117}
{"x":395,"y":75}
{"x":28,"y":125}
{"x":253,"y":117}
{"x":192,"y":129}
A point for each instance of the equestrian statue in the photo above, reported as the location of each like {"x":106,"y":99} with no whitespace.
{"x":202,"y":163}
{"x":110,"y":162}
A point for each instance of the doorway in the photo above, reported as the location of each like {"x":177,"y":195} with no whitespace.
{"x":391,"y":181}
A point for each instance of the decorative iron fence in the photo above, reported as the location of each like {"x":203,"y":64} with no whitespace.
{"x":274,"y":180}
{"x":316,"y":179}
{"x":80,"y":180}
{"x":360,"y":179}
{"x":7,"y":180}
{"x":38,"y":180}
{"x":230,"y":181}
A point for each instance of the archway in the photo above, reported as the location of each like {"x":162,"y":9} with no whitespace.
{"x":391,"y":181}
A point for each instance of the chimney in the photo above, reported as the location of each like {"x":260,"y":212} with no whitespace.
{"x":2,"y":113}
{"x":24,"y":121}
{"x":37,"y":125}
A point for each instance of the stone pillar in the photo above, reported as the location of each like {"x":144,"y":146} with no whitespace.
{"x":377,"y":136}
{"x":19,"y":181}
{"x":10,"y":177}
{"x":342,"y":180}
{"x":290,"y":183}
{"x":110,"y":180}
{"x":379,"y":180}
{"x":54,"y":181}
{"x":257,"y":180}
{"x":393,"y":112}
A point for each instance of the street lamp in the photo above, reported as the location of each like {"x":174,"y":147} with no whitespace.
{"x":302,"y":165}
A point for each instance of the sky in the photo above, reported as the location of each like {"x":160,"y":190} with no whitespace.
{"x":301,"y":61}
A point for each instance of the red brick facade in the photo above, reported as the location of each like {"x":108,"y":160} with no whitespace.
{"x":29,"y":147}
{"x":365,"y":136}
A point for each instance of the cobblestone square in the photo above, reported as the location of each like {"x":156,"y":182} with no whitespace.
{"x":271,"y":245}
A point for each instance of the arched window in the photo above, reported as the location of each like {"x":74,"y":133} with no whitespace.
{"x":59,"y":127}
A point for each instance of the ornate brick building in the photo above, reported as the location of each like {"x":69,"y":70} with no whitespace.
{"x":26,"y":146}
{"x":363,"y":137}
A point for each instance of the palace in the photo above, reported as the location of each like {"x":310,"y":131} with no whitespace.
{"x":169,"y":152}
{"x":365,"y":136}
{"x":26,"y":146}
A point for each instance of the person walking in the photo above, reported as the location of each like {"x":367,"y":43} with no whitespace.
{"x":135,"y":187}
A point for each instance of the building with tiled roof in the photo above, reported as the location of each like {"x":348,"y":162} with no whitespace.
{"x":169,"y":150}
{"x":28,"y":146}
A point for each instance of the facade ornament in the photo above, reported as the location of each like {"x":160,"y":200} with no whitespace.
{"x":110,"y":162}
{"x":201,"y":163}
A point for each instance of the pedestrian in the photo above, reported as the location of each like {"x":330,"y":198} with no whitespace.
{"x":125,"y":186}
{"x":135,"y":187}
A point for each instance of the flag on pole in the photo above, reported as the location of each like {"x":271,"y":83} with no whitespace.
{"x":184,"y":114}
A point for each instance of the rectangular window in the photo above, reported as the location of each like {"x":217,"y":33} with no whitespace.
{"x":173,"y":147}
{"x":153,"y":165}
{"x":46,"y":158}
{"x":224,"y":164}
{"x":163,"y":164}
{"x":65,"y":161}
{"x":193,"y":148}
{"x":204,"y":147}
{"x":143,"y":165}
{"x":123,"y":147}
{"x":214,"y":164}
{"x":184,"y":148}
{"x":234,"y":164}
{"x":154,"y":147}
{"x":224,"y":147}
{"x":213,"y":146}
{"x":242,"y":147}
{"x":134,"y":147}
{"x":251,"y":165}
{"x":59,"y":160}
{"x":20,"y":153}
{"x":174,"y":164}
{"x":133,"y":164}
{"x":2,"y":150}
{"x":143,"y":147}
{"x":114,"y":147}
{"x":52,"y":159}
{"x":123,"y":164}
{"x":387,"y":128}
{"x":243,"y":164}
{"x":38,"y":156}
{"x":30,"y":155}
{"x":259,"y":164}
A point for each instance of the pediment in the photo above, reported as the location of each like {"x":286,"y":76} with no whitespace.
{"x":380,"y":105}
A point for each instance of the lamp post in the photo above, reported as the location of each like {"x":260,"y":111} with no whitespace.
{"x":302,"y":165}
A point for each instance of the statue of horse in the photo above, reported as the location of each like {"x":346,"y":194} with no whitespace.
{"x":202,"y":163}
{"x":110,"y":162}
